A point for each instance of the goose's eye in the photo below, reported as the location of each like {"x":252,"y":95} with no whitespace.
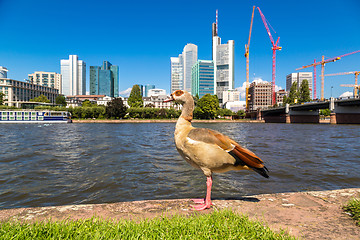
{"x":179,"y":93}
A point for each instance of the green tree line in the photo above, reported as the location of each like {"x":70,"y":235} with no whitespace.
{"x":206,"y":107}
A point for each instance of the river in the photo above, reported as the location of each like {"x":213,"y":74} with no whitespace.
{"x":61,"y":164}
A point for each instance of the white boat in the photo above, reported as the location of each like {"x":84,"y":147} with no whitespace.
{"x":34,"y":116}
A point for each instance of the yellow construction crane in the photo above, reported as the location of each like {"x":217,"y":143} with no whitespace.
{"x":322,"y":63}
{"x":247,"y":46}
{"x":355,"y":86}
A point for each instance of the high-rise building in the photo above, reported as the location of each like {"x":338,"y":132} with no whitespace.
{"x":3,"y":72}
{"x":104,"y":80}
{"x":190,"y":57}
{"x":73,"y":73}
{"x":298,"y":78}
{"x":181,"y":68}
{"x":177,"y":79}
{"x":202,"y":77}
{"x":147,"y":88}
{"x":260,"y":95}
{"x":47,"y":79}
{"x":94,"y":80}
{"x":115,"y":73}
{"x":223,"y":58}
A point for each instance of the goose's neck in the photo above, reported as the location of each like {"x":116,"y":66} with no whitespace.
{"x":186,"y":116}
{"x":187,"y":110}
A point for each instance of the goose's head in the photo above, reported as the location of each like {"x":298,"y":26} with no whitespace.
{"x":179,"y":96}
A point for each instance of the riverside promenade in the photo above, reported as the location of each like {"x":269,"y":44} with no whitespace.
{"x":307,"y":215}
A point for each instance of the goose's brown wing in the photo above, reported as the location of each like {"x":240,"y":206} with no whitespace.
{"x":241,"y":155}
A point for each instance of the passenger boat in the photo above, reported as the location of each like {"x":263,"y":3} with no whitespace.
{"x":34,"y":116}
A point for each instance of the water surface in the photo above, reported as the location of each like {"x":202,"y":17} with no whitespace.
{"x":60,"y":164}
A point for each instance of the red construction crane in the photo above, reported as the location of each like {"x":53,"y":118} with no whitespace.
{"x":355,"y":86}
{"x":274,"y":48}
{"x":247,"y":46}
{"x":314,"y":87}
{"x":323,"y":62}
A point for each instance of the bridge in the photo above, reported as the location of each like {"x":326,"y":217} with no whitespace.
{"x":343,"y":111}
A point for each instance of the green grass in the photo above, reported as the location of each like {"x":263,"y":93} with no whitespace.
{"x":353,"y":207}
{"x":217,"y":225}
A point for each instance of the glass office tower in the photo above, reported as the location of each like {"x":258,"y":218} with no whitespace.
{"x":104,"y":80}
{"x":202,"y":78}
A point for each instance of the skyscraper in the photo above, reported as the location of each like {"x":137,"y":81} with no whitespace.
{"x":202,"y":78}
{"x":73,"y":73}
{"x":190,"y":57}
{"x":181,"y":68}
{"x":104,"y":80}
{"x":115,"y":73}
{"x":3,"y":72}
{"x":177,"y":80}
{"x":148,"y":87}
{"x":223,"y":58}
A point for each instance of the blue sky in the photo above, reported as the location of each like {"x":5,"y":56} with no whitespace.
{"x":141,"y":36}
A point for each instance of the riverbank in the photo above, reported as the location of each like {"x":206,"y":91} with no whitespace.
{"x":309,"y":215}
{"x":161,"y":121}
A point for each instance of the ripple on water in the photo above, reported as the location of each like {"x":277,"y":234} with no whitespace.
{"x":62,"y":164}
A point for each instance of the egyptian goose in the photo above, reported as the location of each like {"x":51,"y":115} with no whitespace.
{"x":209,"y":150}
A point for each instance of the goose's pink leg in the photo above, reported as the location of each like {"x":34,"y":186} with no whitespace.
{"x":207,"y":203}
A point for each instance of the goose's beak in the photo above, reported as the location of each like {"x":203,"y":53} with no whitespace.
{"x":170,"y":99}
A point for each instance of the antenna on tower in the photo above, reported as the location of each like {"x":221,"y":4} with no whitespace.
{"x":217,"y":23}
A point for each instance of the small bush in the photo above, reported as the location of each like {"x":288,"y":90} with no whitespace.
{"x":353,"y":207}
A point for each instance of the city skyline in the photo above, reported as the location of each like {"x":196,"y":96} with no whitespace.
{"x":147,"y":34}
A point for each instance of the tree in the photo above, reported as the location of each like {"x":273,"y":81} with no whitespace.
{"x":196,"y":99}
{"x":304,"y":92}
{"x":88,"y":103}
{"x":60,"y":100}
{"x":293,"y":95}
{"x":224,"y":112}
{"x":41,"y":98}
{"x":135,"y":98}
{"x":285,"y":100}
{"x":207,"y":107}
{"x":241,"y":113}
{"x":325,"y":112}
{"x":135,"y":112}
{"x":150,"y":105}
{"x":2,"y":95}
{"x":162,"y":113}
{"x":115,"y":108}
{"x":172,"y":113}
